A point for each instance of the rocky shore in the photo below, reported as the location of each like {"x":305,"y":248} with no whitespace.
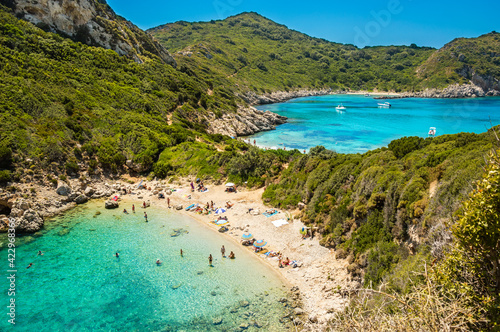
{"x":453,"y":91}
{"x":249,"y":120}
{"x":280,"y":96}
{"x":31,"y":203}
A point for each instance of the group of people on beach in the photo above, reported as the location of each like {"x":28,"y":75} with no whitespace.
{"x":223,"y":252}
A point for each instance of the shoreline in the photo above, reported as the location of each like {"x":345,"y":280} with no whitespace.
{"x":315,"y":284}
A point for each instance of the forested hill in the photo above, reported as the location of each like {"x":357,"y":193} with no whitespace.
{"x":261,"y":56}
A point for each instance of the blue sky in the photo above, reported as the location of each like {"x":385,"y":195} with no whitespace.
{"x":360,"y":22}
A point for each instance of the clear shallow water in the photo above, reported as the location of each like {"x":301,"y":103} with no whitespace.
{"x":78,"y":284}
{"x":364,"y":126}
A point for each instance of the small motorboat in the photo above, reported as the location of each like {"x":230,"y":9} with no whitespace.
{"x":432,"y":131}
{"x":367,"y":95}
{"x":340,"y":108}
{"x":384,"y":105}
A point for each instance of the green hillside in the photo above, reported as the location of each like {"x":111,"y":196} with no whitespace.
{"x":458,"y":60}
{"x":259,"y":55}
{"x":63,"y":102}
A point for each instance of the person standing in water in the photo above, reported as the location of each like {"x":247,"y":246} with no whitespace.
{"x":117,"y":255}
{"x":133,"y":208}
{"x":146,"y":216}
{"x":181,"y":253}
{"x":168,"y":201}
{"x":223,"y":251}
{"x":210,"y":260}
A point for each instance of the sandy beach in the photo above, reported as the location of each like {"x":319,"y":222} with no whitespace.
{"x":318,"y":278}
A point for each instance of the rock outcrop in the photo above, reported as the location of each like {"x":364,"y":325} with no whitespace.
{"x":246,"y":122}
{"x":30,"y":222}
{"x":91,"y":22}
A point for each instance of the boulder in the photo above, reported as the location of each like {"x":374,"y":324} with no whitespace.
{"x":139,"y":168}
{"x":63,"y":190}
{"x":89,"y":191}
{"x":111,"y":205}
{"x":72,"y":197}
{"x":81,"y":199}
{"x":298,"y":311}
{"x":4,"y":223}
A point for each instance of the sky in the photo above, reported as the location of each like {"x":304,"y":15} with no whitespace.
{"x":361,"y":22}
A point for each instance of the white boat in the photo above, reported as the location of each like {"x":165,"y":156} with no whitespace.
{"x":384,"y":105}
{"x":340,"y":108}
{"x":367,"y":95}
{"x":432,"y":131}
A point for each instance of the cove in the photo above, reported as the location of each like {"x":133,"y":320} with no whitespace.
{"x":364,"y":126}
{"x":79,"y":285}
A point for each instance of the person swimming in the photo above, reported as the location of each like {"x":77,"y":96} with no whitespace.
{"x":158,"y":262}
{"x":40,"y":253}
{"x":29,"y":265}
{"x":117,"y":255}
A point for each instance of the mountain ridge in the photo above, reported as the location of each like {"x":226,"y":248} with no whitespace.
{"x":249,"y":45}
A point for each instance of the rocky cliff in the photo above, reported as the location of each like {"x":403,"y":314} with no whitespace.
{"x":247,"y":121}
{"x":91,"y":22}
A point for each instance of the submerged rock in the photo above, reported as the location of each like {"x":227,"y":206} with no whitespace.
{"x":217,"y":320}
{"x":244,"y":304}
{"x":81,"y":199}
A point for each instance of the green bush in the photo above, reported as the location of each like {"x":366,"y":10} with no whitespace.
{"x":4,"y":177}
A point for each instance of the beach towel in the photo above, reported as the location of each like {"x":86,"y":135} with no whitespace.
{"x":221,"y":222}
{"x":280,"y":222}
{"x":270,"y":214}
{"x":115,"y":198}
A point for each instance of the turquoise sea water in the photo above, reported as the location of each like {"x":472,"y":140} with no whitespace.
{"x":79,"y":285}
{"x":364,"y":126}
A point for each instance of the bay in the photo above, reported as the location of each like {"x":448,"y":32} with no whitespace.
{"x":364,"y":125}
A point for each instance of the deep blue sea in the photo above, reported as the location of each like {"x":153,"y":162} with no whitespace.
{"x":364,"y":126}
{"x":79,"y":285}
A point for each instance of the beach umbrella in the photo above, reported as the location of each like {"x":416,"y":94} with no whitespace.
{"x":246,"y":236}
{"x":259,"y":243}
{"x":220,"y":211}
{"x":229,"y":184}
